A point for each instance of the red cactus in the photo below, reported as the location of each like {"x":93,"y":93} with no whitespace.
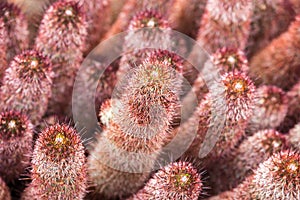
{"x":186,"y":16}
{"x":65,"y":49}
{"x":150,"y":99}
{"x":278,"y":63}
{"x":270,"y":18}
{"x":27,"y":84}
{"x":16,"y":135}
{"x":239,"y":98}
{"x":111,"y":151}
{"x":58,"y":164}
{"x":277,"y":178}
{"x":136,"y":127}
{"x":179,"y":180}
{"x":17,"y":29}
{"x":237,"y":166}
{"x":96,"y":11}
{"x":270,"y":108}
{"x":239,"y":95}
{"x":110,"y":161}
{"x":225,"y":23}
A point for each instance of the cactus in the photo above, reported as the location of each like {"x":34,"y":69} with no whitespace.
{"x":179,"y":180}
{"x":225,"y":24}
{"x":234,"y":168}
{"x":17,"y":29}
{"x":151,"y":97}
{"x":27,"y":84}
{"x":277,"y":178}
{"x":16,"y":135}
{"x":110,"y":154}
{"x":269,"y":20}
{"x":278,"y":63}
{"x":58,"y":165}
{"x":139,"y":123}
{"x":146,"y":104}
{"x":270,"y":108}
{"x":239,"y":96}
{"x":64,"y":49}
{"x":98,"y":19}
{"x":186,"y":16}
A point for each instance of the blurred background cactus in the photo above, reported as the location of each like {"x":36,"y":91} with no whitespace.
{"x":150,"y":103}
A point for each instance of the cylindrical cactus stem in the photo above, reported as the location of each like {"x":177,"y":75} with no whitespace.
{"x":17,"y":29}
{"x":294,"y":137}
{"x":16,"y":135}
{"x":58,"y":165}
{"x":239,"y":97}
{"x":270,"y":18}
{"x":278,"y":63}
{"x":186,"y":16}
{"x":151,"y":95}
{"x":65,"y":49}
{"x":123,"y":169}
{"x":27,"y":84}
{"x":155,"y":25}
{"x":241,"y":162}
{"x":99,"y":19}
{"x":277,"y":178}
{"x":4,"y":191}
{"x":98,"y":16}
{"x":136,"y":127}
{"x":270,"y":108}
{"x":112,"y":150}
{"x":178,"y":180}
{"x":3,"y":48}
{"x":33,"y":11}
{"x":225,"y":23}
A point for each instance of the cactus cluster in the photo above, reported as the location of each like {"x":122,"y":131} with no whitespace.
{"x":226,"y":128}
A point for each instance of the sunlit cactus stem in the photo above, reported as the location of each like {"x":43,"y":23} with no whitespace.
{"x":58,"y":165}
{"x":65,"y":49}
{"x":178,"y":180}
{"x":27,"y":84}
